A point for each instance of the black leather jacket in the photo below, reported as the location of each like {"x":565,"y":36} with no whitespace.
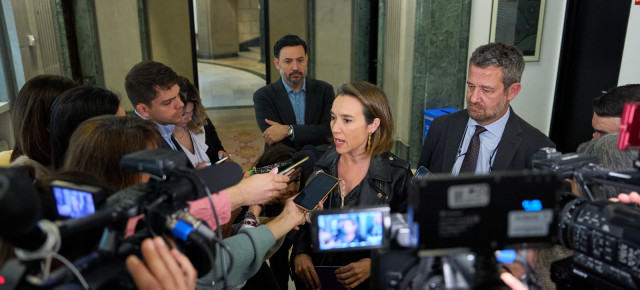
{"x":386,"y":182}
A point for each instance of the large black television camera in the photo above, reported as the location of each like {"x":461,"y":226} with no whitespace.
{"x":459,"y":221}
{"x":162,"y":200}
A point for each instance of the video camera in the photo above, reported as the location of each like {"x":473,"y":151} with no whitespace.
{"x":455,"y":224}
{"x":162,"y":201}
{"x":604,"y":235}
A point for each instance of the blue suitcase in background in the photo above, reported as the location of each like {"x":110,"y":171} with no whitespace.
{"x":429,"y":115}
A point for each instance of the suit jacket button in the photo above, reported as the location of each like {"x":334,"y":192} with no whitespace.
{"x":390,"y":158}
{"x":379,"y":195}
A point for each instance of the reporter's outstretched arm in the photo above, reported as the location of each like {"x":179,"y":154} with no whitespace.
{"x":257,"y":189}
{"x":250,"y":245}
{"x":164,"y":269}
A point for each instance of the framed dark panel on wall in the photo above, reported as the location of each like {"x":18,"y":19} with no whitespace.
{"x":518,"y":23}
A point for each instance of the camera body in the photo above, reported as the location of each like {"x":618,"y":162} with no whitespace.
{"x":163,"y":201}
{"x":453,"y":217}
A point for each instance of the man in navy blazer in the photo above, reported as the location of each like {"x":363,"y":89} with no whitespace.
{"x":506,"y":141}
{"x":294,"y":110}
{"x":493,"y":81}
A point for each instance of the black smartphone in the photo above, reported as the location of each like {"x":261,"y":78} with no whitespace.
{"x":315,"y":191}
{"x":75,"y":200}
{"x":421,"y":172}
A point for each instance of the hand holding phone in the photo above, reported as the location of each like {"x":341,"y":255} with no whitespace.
{"x":316,"y":191}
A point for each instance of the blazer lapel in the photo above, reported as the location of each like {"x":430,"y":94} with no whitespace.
{"x":509,"y":143}
{"x":454,"y":137}
{"x":284,"y":104}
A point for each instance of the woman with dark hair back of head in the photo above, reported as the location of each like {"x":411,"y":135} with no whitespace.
{"x":195,"y":132}
{"x":99,"y":143}
{"x":362,"y":128}
{"x":72,"y":108}
{"x":30,"y":113}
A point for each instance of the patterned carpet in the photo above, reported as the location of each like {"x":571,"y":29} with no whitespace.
{"x":244,"y":146}
{"x":239,"y":133}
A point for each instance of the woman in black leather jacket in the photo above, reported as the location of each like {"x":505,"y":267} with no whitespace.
{"x":369,"y":174}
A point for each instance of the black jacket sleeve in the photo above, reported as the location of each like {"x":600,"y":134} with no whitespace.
{"x":212,"y":140}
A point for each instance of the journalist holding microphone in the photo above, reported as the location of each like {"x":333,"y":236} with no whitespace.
{"x":362,"y":129}
{"x":247,"y":248}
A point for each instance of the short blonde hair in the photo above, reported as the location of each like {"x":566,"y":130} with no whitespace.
{"x":374,"y":105}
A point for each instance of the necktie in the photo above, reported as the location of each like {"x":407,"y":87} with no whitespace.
{"x":471,"y":157}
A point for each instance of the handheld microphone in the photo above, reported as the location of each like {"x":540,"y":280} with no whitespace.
{"x":306,"y":151}
{"x":267,"y":168}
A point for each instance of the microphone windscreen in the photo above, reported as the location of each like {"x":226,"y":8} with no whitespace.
{"x":220,"y":176}
{"x":313,"y":149}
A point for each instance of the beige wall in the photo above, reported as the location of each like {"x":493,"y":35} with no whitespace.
{"x":248,"y":20}
{"x":333,"y":41}
{"x":217,"y":28}
{"x":6,"y":132}
{"x":397,"y":75}
{"x":286,"y":17}
{"x":169,"y":35}
{"x":203,"y":31}
{"x":224,"y":27}
{"x":120,"y":48}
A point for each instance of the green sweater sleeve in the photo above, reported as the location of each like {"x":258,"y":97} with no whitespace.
{"x":248,"y":249}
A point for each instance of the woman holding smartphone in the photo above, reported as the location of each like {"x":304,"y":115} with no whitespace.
{"x":362,"y":128}
{"x":195,"y":132}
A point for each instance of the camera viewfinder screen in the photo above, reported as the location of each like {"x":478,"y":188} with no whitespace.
{"x":350,"y":230}
{"x":73,"y":203}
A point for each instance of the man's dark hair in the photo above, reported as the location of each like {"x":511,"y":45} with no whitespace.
{"x":610,"y":104}
{"x":501,"y":55}
{"x":288,"y":40}
{"x":145,"y":78}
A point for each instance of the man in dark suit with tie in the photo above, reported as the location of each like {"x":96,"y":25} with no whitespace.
{"x":152,"y":88}
{"x":294,"y":110}
{"x":488,"y":135}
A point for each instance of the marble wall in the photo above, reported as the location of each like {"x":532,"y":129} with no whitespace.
{"x":440,"y":63}
{"x":361,"y":40}
{"x":332,"y":41}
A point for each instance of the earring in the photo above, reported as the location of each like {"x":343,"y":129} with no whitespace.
{"x":369,"y":143}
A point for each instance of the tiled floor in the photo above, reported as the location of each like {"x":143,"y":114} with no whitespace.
{"x":224,"y":86}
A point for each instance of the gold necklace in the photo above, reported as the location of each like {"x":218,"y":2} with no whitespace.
{"x":182,"y":136}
